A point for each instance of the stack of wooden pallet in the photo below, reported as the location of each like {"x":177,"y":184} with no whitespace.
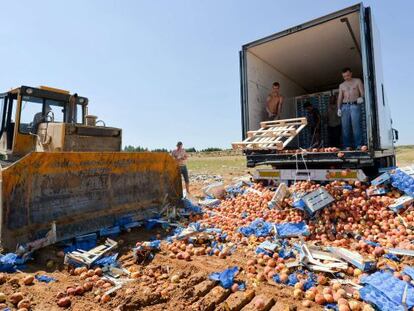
{"x":272,"y":135}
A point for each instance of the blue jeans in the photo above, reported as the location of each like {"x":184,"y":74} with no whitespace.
{"x":351,"y":124}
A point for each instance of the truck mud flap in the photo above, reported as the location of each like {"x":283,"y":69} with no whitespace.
{"x":83,"y":192}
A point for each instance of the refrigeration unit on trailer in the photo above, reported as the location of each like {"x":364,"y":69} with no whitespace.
{"x":307,"y":61}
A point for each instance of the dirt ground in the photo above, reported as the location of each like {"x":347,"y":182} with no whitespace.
{"x":152,"y":290}
{"x":152,"y":286}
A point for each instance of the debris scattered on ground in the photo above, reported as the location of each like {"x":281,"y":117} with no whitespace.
{"x":87,"y":258}
{"x":338,"y":245}
{"x":205,"y":178}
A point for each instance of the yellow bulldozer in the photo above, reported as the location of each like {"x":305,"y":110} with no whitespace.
{"x":63,"y":173}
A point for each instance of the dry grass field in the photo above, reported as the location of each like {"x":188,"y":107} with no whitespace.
{"x":234,"y":164}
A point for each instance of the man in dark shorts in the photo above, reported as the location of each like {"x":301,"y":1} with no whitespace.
{"x":274,"y":103}
{"x":314,"y":124}
{"x":181,"y":157}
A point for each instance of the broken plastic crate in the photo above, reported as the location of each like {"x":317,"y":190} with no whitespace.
{"x":381,"y":179}
{"x":353,"y":258}
{"x":401,"y":203}
{"x":317,"y":200}
{"x":279,"y":195}
{"x":403,"y":179}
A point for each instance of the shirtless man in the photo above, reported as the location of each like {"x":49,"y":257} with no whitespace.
{"x":350,"y":98}
{"x":181,"y":157}
{"x":274,"y":102}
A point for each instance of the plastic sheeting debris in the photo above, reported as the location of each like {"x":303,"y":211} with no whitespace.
{"x":236,"y":189}
{"x":152,"y":223}
{"x":226,"y":277}
{"x":386,"y":291}
{"x":111,"y":232}
{"x":331,"y":306}
{"x":291,"y":229}
{"x":392,"y":257}
{"x":10,"y":262}
{"x":210,"y":202}
{"x":409,"y":271}
{"x":215,"y":190}
{"x":286,"y":253}
{"x":242,"y":286}
{"x":220,"y":246}
{"x":150,"y":245}
{"x":191,"y":207}
{"x":83,"y":242}
{"x":267,"y":245}
{"x":263,"y":251}
{"x":299,"y":204}
{"x":258,"y":228}
{"x":107,"y":261}
{"x":45,"y":278}
{"x":293,"y":279}
{"x":192,"y":228}
{"x":145,"y":251}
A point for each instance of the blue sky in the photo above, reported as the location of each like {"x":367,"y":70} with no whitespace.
{"x":169,"y":70}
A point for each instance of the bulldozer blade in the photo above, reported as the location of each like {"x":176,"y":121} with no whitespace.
{"x":82,"y":192}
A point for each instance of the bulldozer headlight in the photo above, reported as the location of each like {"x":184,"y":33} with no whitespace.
{"x":29,"y":91}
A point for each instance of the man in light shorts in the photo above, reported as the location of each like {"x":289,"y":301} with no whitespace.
{"x":181,"y":157}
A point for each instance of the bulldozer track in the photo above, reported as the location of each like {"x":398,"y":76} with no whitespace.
{"x":202,"y":294}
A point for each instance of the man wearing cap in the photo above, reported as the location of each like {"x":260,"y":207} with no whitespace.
{"x":180,"y":156}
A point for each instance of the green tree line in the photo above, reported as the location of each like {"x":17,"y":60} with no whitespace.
{"x":143,"y":149}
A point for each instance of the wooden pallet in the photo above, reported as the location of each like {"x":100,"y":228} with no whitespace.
{"x":272,"y":135}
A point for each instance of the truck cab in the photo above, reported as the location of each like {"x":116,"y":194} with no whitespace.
{"x":49,"y":119}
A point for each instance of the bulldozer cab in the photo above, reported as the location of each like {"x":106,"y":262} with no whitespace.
{"x":48,"y":119}
{"x":63,"y":174}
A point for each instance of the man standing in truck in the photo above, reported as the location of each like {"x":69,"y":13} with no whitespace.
{"x":274,"y":102}
{"x":314,"y":124}
{"x":180,"y":156}
{"x":350,"y":98}
{"x":334,"y":123}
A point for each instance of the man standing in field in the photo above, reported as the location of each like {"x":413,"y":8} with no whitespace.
{"x":181,"y":157}
{"x":274,"y":102}
{"x":350,"y":98}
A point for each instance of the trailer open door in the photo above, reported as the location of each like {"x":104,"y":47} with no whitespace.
{"x":243,"y":94}
{"x":382,"y":115}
